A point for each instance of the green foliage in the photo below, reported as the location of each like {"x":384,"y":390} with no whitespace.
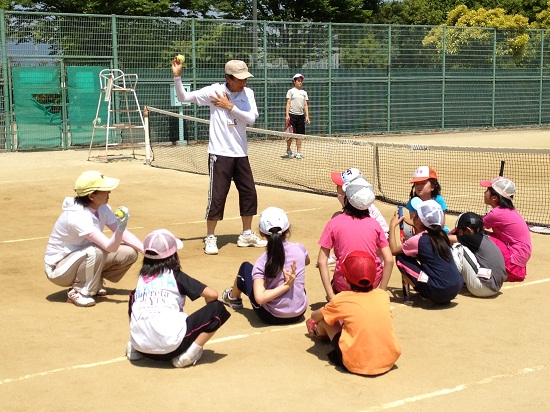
{"x":513,"y":28}
{"x":120,"y":7}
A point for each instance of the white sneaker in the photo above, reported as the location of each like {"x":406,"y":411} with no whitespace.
{"x":297,"y":156}
{"x":185,"y":360}
{"x":251,"y":240}
{"x":289,"y":154}
{"x":131,"y":353}
{"x":79,"y":300}
{"x":211,"y":245}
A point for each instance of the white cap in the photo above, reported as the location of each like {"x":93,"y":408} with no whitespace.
{"x":298,"y":75}
{"x":504,"y":187}
{"x":429,"y":212}
{"x":273,"y":217}
{"x":359,"y":193}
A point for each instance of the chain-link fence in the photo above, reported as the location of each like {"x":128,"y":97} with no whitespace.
{"x":360,"y":78}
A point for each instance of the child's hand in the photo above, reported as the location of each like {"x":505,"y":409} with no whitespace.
{"x":395,"y":220}
{"x":290,"y":275}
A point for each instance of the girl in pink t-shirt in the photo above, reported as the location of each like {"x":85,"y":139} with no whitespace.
{"x":353,"y":230}
{"x":509,"y":230}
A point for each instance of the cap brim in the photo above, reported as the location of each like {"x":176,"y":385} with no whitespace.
{"x":337,"y":178}
{"x":109,"y":183}
{"x":419,"y":179}
{"x":415,"y":202}
{"x":179,"y":243}
{"x":242,"y":76}
{"x":486,"y":183}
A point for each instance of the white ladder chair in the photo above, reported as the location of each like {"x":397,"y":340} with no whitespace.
{"x":118,"y":90}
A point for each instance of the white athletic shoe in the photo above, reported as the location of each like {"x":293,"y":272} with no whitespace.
{"x":185,"y":360}
{"x":79,"y":300}
{"x":289,"y":154}
{"x":251,"y":240}
{"x":131,"y":353}
{"x":211,"y":245}
{"x":297,"y":156}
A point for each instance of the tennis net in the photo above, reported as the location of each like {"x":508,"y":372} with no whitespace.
{"x":180,"y":142}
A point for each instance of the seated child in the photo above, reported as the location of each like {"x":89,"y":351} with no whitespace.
{"x":358,"y":322}
{"x":275,"y":284}
{"x":159,"y":327}
{"x":509,"y":231}
{"x":425,"y":260}
{"x":425,"y":186}
{"x":478,"y":259}
{"x":354,"y":229}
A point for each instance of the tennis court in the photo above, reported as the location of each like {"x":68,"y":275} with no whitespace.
{"x":476,"y":354}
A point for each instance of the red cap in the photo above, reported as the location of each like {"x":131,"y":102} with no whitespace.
{"x":423,"y":173}
{"x":359,"y":268}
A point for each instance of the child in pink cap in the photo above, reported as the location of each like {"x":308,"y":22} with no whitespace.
{"x":509,"y":230}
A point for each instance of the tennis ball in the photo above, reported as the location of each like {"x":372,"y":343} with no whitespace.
{"x":180,"y":58}
{"x":119,"y":213}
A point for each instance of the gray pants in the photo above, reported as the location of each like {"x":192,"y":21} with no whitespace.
{"x":85,"y":269}
{"x":469,"y":273}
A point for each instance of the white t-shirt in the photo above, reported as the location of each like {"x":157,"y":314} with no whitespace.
{"x":227,"y":135}
{"x":70,"y":229}
{"x":297,"y":97}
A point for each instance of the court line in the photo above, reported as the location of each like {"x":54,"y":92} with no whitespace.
{"x":123,"y":358}
{"x":141,"y":227}
{"x":446,"y":391}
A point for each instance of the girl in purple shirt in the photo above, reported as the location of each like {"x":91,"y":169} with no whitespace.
{"x":509,"y":231}
{"x":275,"y":284}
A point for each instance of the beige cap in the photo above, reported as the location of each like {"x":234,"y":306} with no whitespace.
{"x":90,"y":181}
{"x":238,"y":69}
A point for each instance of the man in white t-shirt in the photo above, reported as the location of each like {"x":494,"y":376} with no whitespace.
{"x":232,"y":107}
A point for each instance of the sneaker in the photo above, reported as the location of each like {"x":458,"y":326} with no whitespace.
{"x":251,"y":240}
{"x":184,"y":359}
{"x":79,"y":300}
{"x":297,"y":156}
{"x":289,"y":154}
{"x":211,"y":245}
{"x":131,"y":353}
{"x":233,"y":303}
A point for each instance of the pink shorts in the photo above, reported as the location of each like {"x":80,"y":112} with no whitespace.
{"x":515,"y":273}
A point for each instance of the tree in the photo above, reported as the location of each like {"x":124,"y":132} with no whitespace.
{"x":513,"y":42}
{"x":120,"y":7}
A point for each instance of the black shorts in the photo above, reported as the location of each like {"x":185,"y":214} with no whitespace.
{"x":298,"y":122}
{"x":222,"y":170}
{"x":207,"y":319}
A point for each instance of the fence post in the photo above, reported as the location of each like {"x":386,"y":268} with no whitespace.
{"x":329,"y":64}
{"x":443,"y":75}
{"x":5,"y":81}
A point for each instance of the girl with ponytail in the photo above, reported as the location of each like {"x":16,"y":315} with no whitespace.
{"x":275,"y":284}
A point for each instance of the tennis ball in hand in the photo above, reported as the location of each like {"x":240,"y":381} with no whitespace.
{"x":119,"y":213}
{"x":180,"y":58}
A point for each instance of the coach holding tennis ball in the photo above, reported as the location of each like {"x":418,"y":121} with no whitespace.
{"x":232,"y":107}
{"x":79,"y":255}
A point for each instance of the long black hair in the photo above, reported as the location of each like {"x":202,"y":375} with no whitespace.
{"x":275,"y":252}
{"x":440,"y":242}
{"x":153,"y":267}
{"x":502,"y":201}
{"x":354,"y":212}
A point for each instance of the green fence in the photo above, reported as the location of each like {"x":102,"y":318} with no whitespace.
{"x":360,"y":78}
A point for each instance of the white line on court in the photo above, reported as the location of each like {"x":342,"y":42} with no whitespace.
{"x":141,"y":227}
{"x":412,"y":399}
{"x":123,"y":358}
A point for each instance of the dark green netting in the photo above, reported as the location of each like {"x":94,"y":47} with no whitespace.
{"x":36,"y":104}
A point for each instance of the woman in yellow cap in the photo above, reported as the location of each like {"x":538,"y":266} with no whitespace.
{"x":79,"y":255}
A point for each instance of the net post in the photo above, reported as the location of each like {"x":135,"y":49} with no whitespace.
{"x":147,"y":136}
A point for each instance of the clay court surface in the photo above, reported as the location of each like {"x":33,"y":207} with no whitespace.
{"x":476,"y":354}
